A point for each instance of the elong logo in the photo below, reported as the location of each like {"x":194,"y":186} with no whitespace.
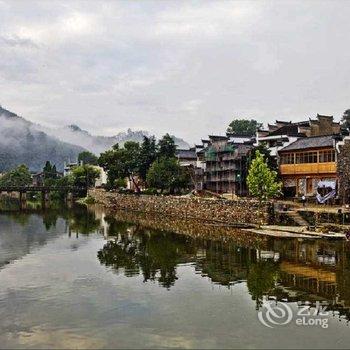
{"x":275,"y":313}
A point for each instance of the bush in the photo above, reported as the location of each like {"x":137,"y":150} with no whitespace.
{"x":89,"y":200}
{"x":150,"y":191}
{"x":125,"y":191}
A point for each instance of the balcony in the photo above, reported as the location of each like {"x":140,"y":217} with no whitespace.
{"x":213,"y":169}
{"x":308,"y":168}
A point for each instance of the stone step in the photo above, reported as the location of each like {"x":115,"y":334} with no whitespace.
{"x":295,"y":216}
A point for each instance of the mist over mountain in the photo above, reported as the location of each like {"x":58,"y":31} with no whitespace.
{"x":96,"y":143}
{"x":23,"y":142}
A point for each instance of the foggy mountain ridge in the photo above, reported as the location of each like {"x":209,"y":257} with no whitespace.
{"x":94,"y":143}
{"x":24,"y":142}
{"x":98,"y":143}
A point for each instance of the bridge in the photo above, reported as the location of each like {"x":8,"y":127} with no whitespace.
{"x":45,"y":191}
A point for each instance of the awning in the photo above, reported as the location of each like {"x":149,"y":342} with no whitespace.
{"x":331,"y":184}
{"x":327,"y":184}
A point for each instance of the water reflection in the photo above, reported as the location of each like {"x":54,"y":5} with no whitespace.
{"x":25,"y":230}
{"x":153,"y":254}
{"x":77,"y":277}
{"x":155,"y":247}
{"x":292,"y":270}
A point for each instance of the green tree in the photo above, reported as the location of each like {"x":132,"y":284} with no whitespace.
{"x":47,"y":170}
{"x":244,"y":127}
{"x":63,"y":183}
{"x":262,"y":181}
{"x":166,"y":147}
{"x":121,"y":163}
{"x":345,"y":121}
{"x":167,"y":174}
{"x":110,"y":161}
{"x":271,"y":161}
{"x":148,"y":154}
{"x":50,"y":174}
{"x":87,"y":157}
{"x":85,"y":176}
{"x":19,"y":176}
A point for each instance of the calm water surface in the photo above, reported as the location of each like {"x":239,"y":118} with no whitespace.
{"x":78,"y":278}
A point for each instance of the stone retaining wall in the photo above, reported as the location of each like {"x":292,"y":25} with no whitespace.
{"x":230,"y":212}
{"x":197,"y":229}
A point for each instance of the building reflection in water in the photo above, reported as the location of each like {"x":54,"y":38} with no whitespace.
{"x":285,"y":269}
{"x":154,"y":247}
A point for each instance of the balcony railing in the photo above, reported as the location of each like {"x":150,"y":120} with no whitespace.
{"x":308,"y":168}
{"x":211,"y":169}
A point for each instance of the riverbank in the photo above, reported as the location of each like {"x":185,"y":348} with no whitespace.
{"x":243,"y":212}
{"x":189,"y":227}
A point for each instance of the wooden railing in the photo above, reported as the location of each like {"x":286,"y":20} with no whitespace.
{"x":308,"y":168}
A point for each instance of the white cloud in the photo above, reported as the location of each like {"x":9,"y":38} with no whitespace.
{"x":182,"y":67}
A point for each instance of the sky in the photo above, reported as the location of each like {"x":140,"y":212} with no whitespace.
{"x":187,"y":68}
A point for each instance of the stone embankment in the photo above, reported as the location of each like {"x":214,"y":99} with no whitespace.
{"x":197,"y":229}
{"x":215,"y":210}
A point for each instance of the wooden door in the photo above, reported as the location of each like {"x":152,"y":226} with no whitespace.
{"x":309,"y":187}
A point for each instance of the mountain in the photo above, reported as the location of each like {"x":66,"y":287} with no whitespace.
{"x":97,"y":144}
{"x":22,"y":142}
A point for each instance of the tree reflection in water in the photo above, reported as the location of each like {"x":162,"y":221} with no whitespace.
{"x":262,"y":280}
{"x":155,"y":254}
{"x":83,"y":221}
{"x":293,"y":270}
{"x":154,"y":247}
{"x":137,"y":250}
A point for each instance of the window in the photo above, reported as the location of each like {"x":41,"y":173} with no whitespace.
{"x":327,"y":156}
{"x":306,"y":157}
{"x":287,"y":158}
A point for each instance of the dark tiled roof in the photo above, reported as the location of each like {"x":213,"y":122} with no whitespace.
{"x":290,"y":130}
{"x":310,"y":142}
{"x":283,"y":122}
{"x":217,"y":137}
{"x":304,"y":123}
{"x":250,"y":142}
{"x":232,"y":134}
{"x":186,"y":154}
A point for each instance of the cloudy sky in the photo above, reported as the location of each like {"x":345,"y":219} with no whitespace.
{"x":184,"y":67}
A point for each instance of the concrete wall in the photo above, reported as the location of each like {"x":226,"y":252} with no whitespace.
{"x":230,"y":212}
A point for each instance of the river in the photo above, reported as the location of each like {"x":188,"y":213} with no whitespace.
{"x":82,"y":278}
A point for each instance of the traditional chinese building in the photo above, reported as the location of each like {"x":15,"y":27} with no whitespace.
{"x":282,"y":133}
{"x":306,"y":162}
{"x":187,"y":157}
{"x":225,"y":159}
